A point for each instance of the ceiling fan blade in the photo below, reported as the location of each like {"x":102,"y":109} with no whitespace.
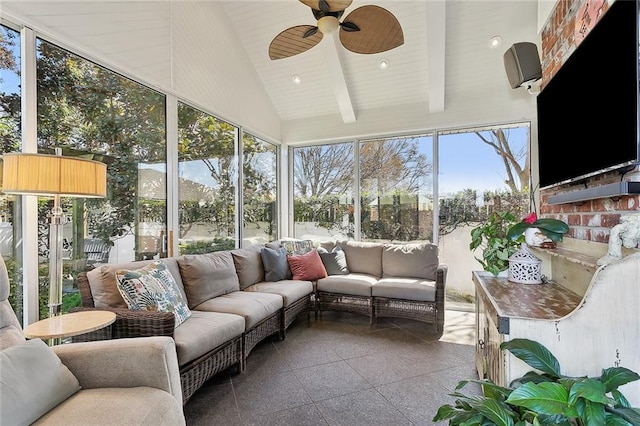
{"x":291,"y":41}
{"x":334,"y":5}
{"x":379,"y":31}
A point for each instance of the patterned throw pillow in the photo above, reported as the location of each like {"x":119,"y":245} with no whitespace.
{"x":152,"y":288}
{"x":297,"y":247}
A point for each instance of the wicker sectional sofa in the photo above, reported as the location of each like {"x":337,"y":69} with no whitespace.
{"x":386,"y":280}
{"x":235,"y":302}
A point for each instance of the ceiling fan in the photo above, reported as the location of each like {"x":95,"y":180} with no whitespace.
{"x":367,"y":29}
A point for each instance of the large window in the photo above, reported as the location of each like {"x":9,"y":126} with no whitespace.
{"x":396,"y":189}
{"x":480,"y":171}
{"x":10,"y":134}
{"x":94,"y":113}
{"x":323,"y":191}
{"x":259,"y":190}
{"x":208,"y":176}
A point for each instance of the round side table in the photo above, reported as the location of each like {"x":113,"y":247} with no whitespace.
{"x":68,"y":325}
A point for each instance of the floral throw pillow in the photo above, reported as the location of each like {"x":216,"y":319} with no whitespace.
{"x":153,"y":288}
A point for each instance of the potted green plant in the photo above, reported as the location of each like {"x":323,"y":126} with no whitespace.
{"x":497,"y":247}
{"x":544,"y":396}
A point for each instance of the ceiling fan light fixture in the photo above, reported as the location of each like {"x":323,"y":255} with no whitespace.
{"x":383,"y":64}
{"x":328,"y":24}
{"x":296,"y":79}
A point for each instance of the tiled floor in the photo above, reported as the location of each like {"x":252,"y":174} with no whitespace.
{"x":339,"y":370}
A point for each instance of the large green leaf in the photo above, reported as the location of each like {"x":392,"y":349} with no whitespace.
{"x":445,"y":412}
{"x":591,"y":390}
{"x":613,"y":420}
{"x":534,"y":354}
{"x":553,"y":236}
{"x":592,"y":413}
{"x":615,"y":377}
{"x":516,"y":230}
{"x":552,"y":225}
{"x":544,"y":398}
{"x":621,"y":400}
{"x":531,"y":376}
{"x":555,"y":420}
{"x":632,"y":415}
{"x":499,"y":413}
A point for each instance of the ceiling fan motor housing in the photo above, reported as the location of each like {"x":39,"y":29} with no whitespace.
{"x":328,"y":24}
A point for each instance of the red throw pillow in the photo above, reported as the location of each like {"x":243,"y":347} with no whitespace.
{"x":307,"y":267}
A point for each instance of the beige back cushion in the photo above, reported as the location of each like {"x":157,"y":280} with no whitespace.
{"x":206,"y":276}
{"x":10,"y":329}
{"x":248,"y":262}
{"x":103,"y":284}
{"x":416,"y":260}
{"x":363,"y":257}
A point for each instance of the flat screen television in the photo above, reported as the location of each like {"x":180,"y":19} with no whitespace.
{"x":588,"y":112}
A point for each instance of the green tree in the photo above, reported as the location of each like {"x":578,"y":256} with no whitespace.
{"x":323,"y":178}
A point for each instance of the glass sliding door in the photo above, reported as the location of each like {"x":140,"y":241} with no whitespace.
{"x":259,"y":191}
{"x":396,"y":189}
{"x":480,"y":171}
{"x":94,"y":113}
{"x":207,"y":182}
{"x":10,"y":138}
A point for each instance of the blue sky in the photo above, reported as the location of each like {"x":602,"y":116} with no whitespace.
{"x":467,"y":163}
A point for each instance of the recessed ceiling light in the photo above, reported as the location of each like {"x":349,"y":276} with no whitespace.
{"x":495,"y":41}
{"x":296,"y":79}
{"x":384,"y":64}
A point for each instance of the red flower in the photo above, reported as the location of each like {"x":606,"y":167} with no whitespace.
{"x":531,"y":218}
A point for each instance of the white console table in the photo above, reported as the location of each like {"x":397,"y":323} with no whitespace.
{"x":588,"y":325}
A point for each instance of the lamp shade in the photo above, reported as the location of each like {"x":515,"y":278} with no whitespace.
{"x":39,"y":174}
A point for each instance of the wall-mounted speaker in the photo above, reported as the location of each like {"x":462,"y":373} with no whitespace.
{"x":522,"y":64}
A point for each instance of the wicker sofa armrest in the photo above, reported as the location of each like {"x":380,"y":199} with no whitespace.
{"x":441,"y":283}
{"x":441,"y":276}
{"x":130,"y":323}
{"x":150,"y":361}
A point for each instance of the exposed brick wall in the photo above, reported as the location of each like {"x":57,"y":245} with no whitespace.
{"x":590,"y":220}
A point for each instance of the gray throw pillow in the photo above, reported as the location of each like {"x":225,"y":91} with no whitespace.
{"x":33,"y":381}
{"x":276,"y":267}
{"x":335,"y":262}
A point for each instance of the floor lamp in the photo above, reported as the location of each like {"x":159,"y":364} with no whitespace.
{"x":57,"y":176}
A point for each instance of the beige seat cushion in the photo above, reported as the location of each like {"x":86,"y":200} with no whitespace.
{"x":290,"y":290}
{"x":419,"y":260}
{"x":253,"y":306}
{"x":355,"y":284}
{"x":205,"y":331}
{"x":116,"y":406}
{"x":405,"y":288}
{"x":103,"y":284}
